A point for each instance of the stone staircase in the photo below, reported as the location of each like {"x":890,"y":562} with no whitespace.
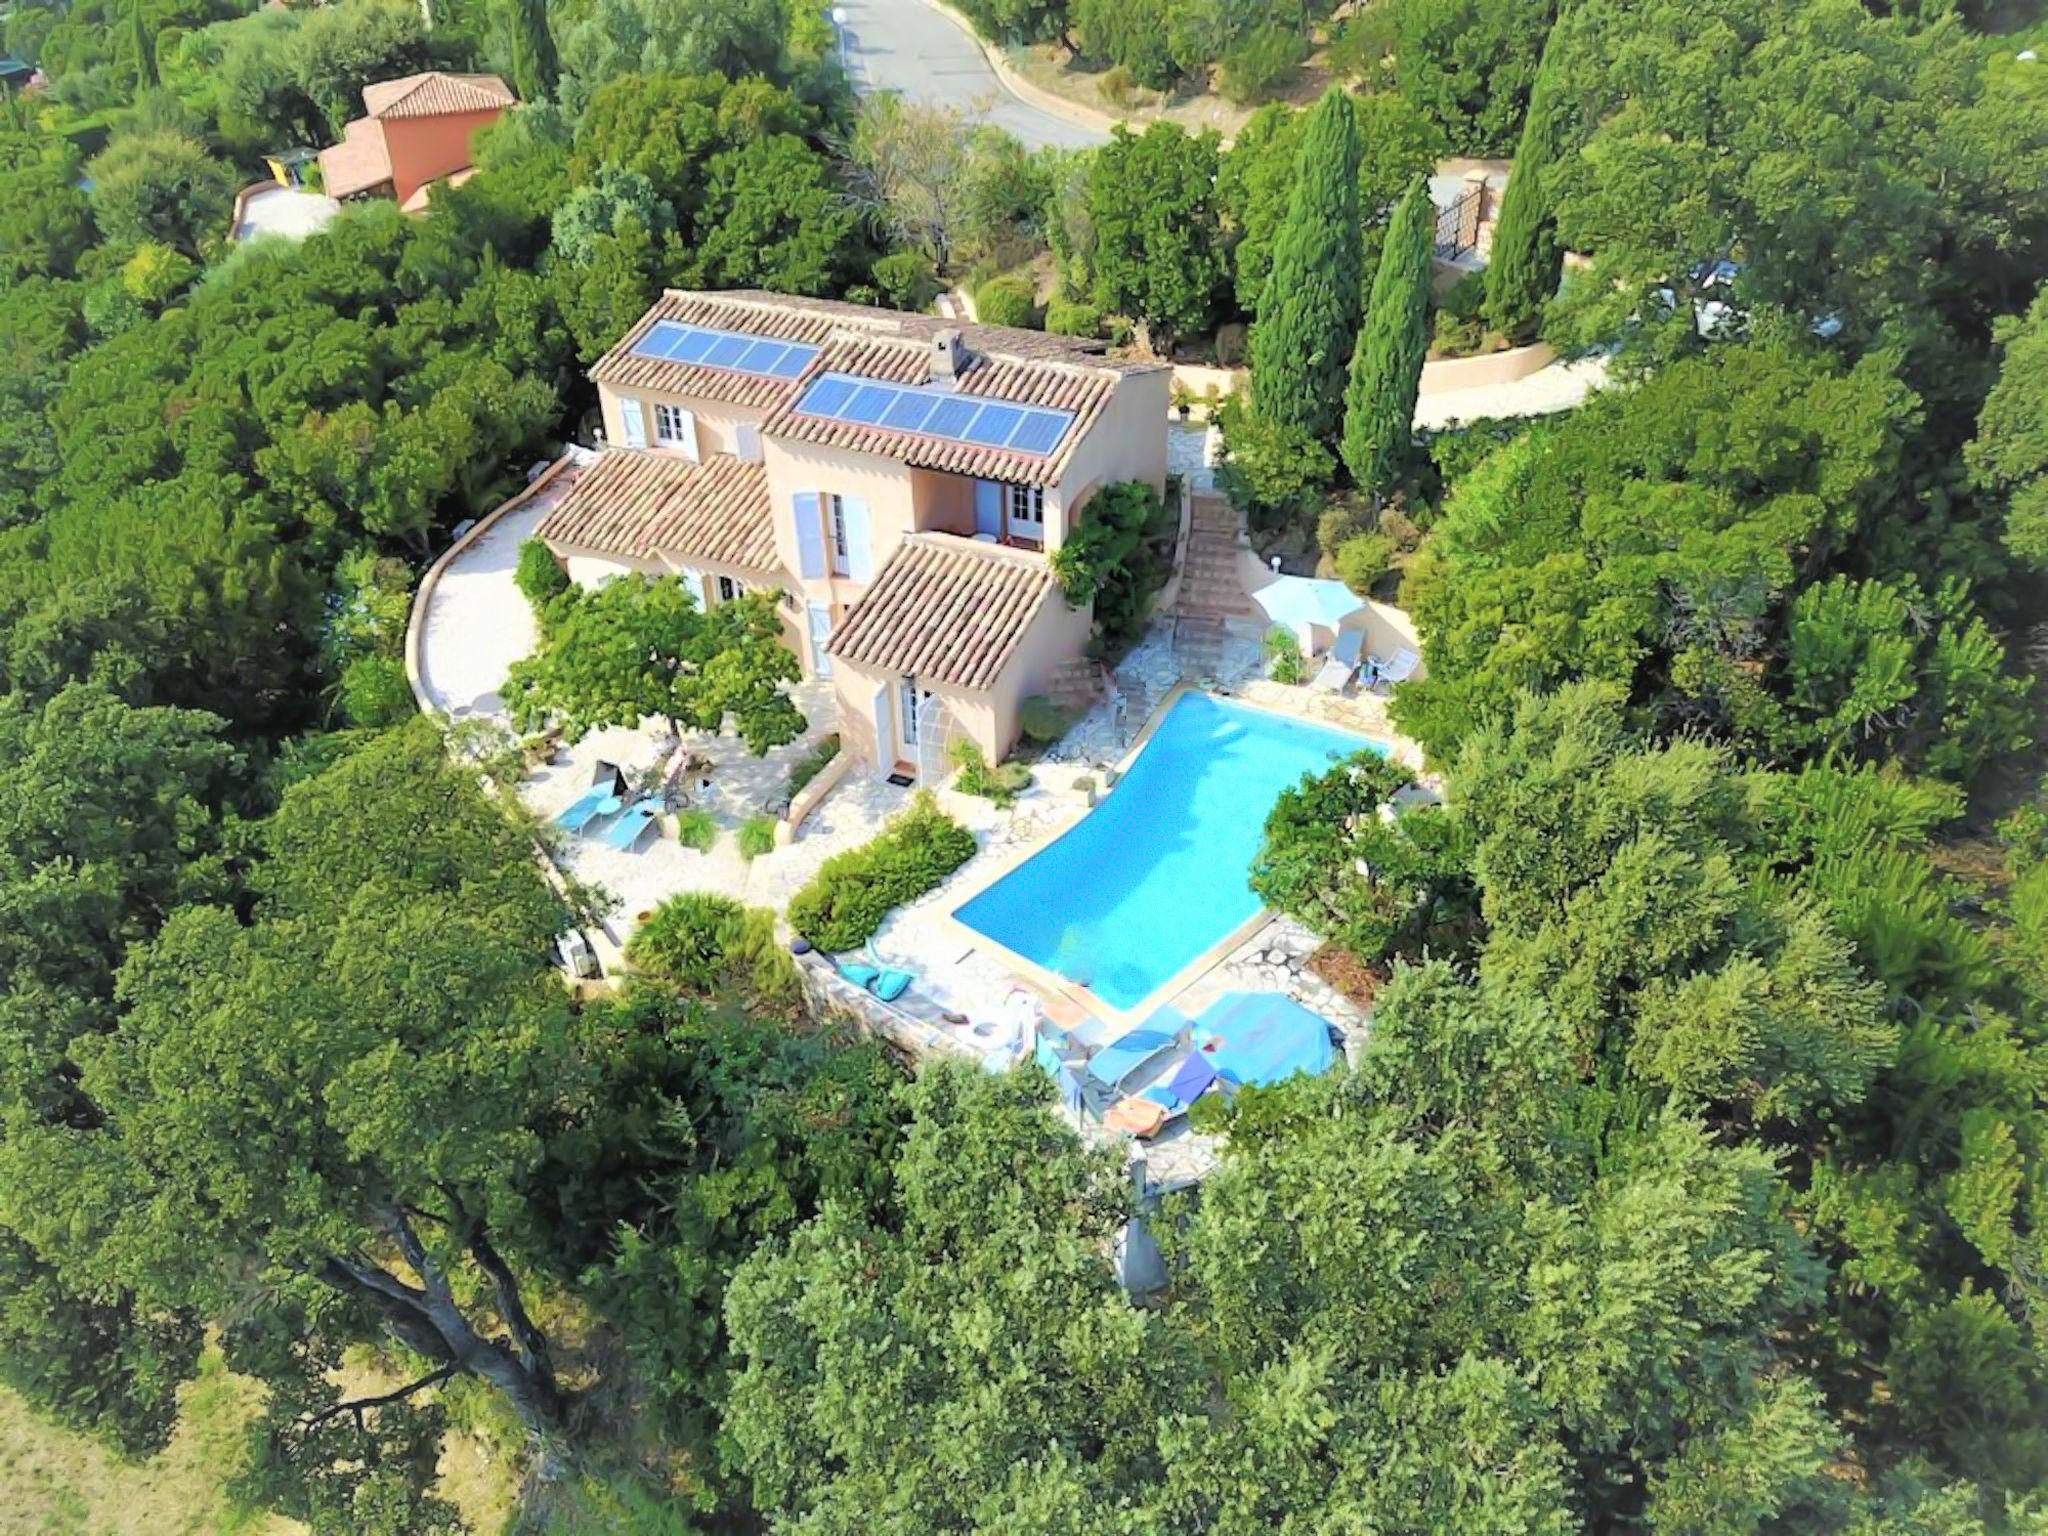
{"x":1212,"y":596}
{"x":1076,"y":685}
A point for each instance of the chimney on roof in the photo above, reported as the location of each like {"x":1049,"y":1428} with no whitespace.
{"x":949,"y":357}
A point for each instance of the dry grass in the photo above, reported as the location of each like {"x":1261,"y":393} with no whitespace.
{"x":57,"y":1483}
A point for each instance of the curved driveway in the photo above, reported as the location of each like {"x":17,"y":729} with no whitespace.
{"x":924,"y":55}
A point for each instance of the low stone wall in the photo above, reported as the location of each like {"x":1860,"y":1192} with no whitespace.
{"x":1447,"y":374}
{"x":808,"y":799}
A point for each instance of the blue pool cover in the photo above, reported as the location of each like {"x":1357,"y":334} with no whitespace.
{"x":1158,"y":872}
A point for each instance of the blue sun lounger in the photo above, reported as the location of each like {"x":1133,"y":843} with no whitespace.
{"x":625,"y":832}
{"x":598,"y":800}
{"x":1136,"y":1048}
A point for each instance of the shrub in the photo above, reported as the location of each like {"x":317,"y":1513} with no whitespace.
{"x":1266,"y":61}
{"x":1460,"y":327}
{"x":1283,"y":655}
{"x":1001,"y":784}
{"x":757,"y":836}
{"x":1362,"y":560}
{"x":904,"y":280}
{"x":1275,"y":472}
{"x":375,"y":693}
{"x":854,"y":891}
{"x":1006,"y":301}
{"x":1117,"y":86}
{"x":1073,"y":317}
{"x":811,"y":764}
{"x":1110,"y":560}
{"x":711,"y":946}
{"x":1347,"y":516}
{"x":696,"y":829}
{"x":539,"y":577}
{"x":1041,"y":720}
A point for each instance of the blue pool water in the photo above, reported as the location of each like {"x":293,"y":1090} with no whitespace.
{"x":1157,"y":873}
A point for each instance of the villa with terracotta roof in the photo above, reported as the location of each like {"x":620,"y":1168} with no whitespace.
{"x":899,"y":480}
{"x":416,"y":131}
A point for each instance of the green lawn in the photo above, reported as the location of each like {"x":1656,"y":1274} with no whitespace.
{"x":57,"y":1483}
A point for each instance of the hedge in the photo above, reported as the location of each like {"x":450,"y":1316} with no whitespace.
{"x":854,"y":891}
{"x":1006,"y":301}
{"x":710,"y":946}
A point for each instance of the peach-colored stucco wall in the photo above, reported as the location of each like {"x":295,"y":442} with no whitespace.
{"x":424,"y":149}
{"x":1128,"y":442}
{"x":718,"y":424}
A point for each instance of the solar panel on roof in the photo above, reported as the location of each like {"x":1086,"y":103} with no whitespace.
{"x":936,"y":413}
{"x":697,"y":345}
{"x":1040,"y":432}
{"x":992,"y":428}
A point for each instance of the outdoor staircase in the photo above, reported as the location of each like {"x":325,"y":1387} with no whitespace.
{"x":1209,"y":584}
{"x":1076,"y":685}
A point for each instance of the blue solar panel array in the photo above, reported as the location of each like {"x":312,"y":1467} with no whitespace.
{"x":733,"y":351}
{"x":935,"y":413}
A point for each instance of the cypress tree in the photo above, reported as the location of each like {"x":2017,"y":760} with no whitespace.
{"x":1308,"y":313}
{"x":535,"y":65}
{"x":1527,"y":261}
{"x":145,"y":49}
{"x":1386,"y":369}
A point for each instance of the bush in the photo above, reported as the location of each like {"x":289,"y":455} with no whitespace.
{"x":1110,"y":560}
{"x":711,"y":946}
{"x":1117,"y":86}
{"x":1001,"y":784}
{"x":1276,"y":473}
{"x":854,"y":891}
{"x":904,"y":280}
{"x":1283,"y":653}
{"x":375,"y":693}
{"x":1460,"y":327}
{"x":1266,"y":61}
{"x":540,"y":577}
{"x":697,"y":829}
{"x":1362,"y":560}
{"x":1073,"y":317}
{"x":811,"y":764}
{"x":757,"y":837}
{"x":1041,"y":720}
{"x":1006,"y":301}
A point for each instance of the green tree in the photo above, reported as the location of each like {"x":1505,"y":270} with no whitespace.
{"x":2010,"y":454}
{"x":1349,"y":854}
{"x":143,"y":44}
{"x":46,"y":223}
{"x":1468,"y":66}
{"x":641,"y":647}
{"x":1386,"y":366}
{"x":535,"y":66}
{"x":1157,"y":254}
{"x":602,"y":206}
{"x":1526,"y":261}
{"x":161,"y":186}
{"x":1308,"y":318}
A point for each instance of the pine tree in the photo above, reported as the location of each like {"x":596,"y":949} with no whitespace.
{"x":1386,"y":369}
{"x":145,"y":47}
{"x":1309,"y":311}
{"x":535,"y":65}
{"x":1527,"y":260}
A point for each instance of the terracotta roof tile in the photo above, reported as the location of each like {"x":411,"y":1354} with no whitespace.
{"x":358,"y":163}
{"x":946,"y":610}
{"x":638,"y":503}
{"x":435,"y":94}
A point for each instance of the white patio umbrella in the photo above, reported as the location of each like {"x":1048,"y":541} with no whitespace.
{"x":1304,"y":603}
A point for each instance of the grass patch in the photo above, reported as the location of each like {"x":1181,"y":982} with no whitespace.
{"x":60,"y":1483}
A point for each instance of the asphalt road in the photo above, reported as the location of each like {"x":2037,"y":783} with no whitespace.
{"x":908,"y":47}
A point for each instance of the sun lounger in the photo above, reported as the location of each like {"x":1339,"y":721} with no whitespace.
{"x":596,"y":801}
{"x":1342,"y":663}
{"x":890,"y":983}
{"x":1397,"y":668}
{"x":1136,"y":1048}
{"x":626,"y":831}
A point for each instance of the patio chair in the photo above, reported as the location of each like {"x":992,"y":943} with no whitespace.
{"x":890,"y":982}
{"x":1397,"y":668}
{"x":626,"y":831}
{"x":1342,"y":663}
{"x":598,"y":800}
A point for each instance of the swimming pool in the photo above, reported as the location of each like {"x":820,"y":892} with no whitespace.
{"x":1157,"y":873}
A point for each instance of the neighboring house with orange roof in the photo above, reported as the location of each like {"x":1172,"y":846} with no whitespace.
{"x":417,"y":131}
{"x":900,"y":480}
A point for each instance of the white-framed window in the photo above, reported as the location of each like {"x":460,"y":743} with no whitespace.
{"x":675,"y":427}
{"x":1025,"y":505}
{"x":910,"y":701}
{"x":729,"y":590}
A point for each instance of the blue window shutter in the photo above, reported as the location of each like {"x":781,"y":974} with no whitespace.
{"x":633,"y":417}
{"x":860,"y":557}
{"x":810,"y":535}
